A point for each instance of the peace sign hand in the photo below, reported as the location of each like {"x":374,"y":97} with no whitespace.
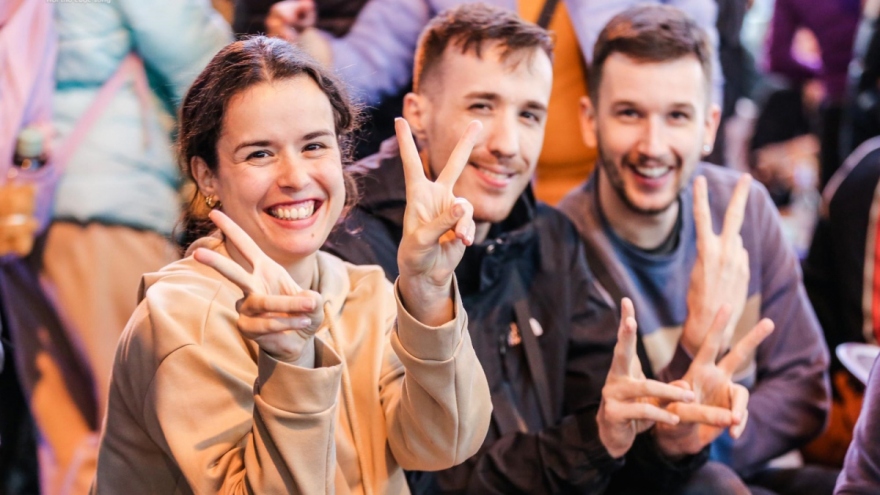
{"x":274,"y":312}
{"x":721,"y":272}
{"x":720,"y":403}
{"x":437,"y":227}
{"x":631,"y":403}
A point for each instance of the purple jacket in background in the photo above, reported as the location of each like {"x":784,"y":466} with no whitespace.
{"x":861,"y":469}
{"x":833,"y":22}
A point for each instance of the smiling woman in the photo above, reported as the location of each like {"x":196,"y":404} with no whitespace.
{"x":258,"y":364}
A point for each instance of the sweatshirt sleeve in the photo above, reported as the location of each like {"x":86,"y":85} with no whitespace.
{"x":434,"y":392}
{"x":228,"y":433}
{"x":197,"y":30}
{"x":376,"y":56}
{"x":790,"y":400}
{"x":861,"y":468}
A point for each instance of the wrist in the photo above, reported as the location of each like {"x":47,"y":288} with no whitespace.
{"x":305,"y":358}
{"x":429,"y":303}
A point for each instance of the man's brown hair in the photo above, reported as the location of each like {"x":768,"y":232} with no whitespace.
{"x":468,"y":27}
{"x":650,"y":33}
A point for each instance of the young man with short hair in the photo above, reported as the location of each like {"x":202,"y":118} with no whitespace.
{"x":647,"y":215}
{"x":571,"y":406}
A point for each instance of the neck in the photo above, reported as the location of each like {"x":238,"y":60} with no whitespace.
{"x":645,"y":231}
{"x":481,"y":232}
{"x":302,"y":271}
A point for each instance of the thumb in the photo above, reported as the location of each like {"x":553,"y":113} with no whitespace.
{"x":460,"y":210}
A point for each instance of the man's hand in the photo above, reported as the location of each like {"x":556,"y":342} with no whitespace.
{"x":289,"y":18}
{"x":721,"y":272}
{"x":274,"y":312}
{"x":436,"y":228}
{"x":720,"y":403}
{"x":629,"y":400}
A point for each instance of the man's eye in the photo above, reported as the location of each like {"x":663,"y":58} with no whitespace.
{"x":532,"y":117}
{"x":679,"y":116}
{"x":628,"y":112}
{"x":480,"y":106}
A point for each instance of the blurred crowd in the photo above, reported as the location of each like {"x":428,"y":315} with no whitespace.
{"x":93,"y":194}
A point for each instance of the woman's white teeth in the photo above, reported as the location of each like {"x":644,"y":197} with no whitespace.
{"x":652,"y":172}
{"x":304,"y":210}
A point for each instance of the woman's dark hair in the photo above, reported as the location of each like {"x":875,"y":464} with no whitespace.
{"x":237,"y":67}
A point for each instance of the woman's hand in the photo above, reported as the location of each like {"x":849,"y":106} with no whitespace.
{"x":437,"y":227}
{"x":274,"y":312}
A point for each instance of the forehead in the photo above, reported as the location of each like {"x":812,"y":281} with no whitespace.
{"x":674,"y":82}
{"x":525,"y":74}
{"x":283,"y":107}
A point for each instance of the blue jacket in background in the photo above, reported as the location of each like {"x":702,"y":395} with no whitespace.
{"x":125,"y":171}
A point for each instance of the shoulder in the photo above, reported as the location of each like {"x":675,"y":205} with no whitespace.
{"x":178,"y":305}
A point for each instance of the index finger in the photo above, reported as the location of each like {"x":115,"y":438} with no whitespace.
{"x":460,"y":155}
{"x":237,"y":236}
{"x":413,"y":171}
{"x":711,"y":345}
{"x":625,"y":348}
{"x":234,"y":272}
{"x":743,"y":350}
{"x":733,"y":218}
{"x":702,"y":215}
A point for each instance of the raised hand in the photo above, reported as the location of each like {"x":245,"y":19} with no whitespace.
{"x":437,"y":227}
{"x":721,"y":272}
{"x":288,"y":19}
{"x":629,"y":400}
{"x":720,"y":403}
{"x":274,"y":312}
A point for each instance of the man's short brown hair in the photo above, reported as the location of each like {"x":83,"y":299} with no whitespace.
{"x":650,"y":33}
{"x":468,"y":27}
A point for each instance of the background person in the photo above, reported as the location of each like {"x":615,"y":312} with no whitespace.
{"x":650,"y":115}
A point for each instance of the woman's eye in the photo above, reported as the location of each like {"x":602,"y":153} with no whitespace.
{"x":258,"y":154}
{"x":314,"y":147}
{"x":480,"y":106}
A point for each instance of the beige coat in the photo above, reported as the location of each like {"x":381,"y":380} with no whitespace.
{"x":196,"y":408}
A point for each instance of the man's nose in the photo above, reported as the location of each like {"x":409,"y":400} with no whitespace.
{"x":502,"y":139}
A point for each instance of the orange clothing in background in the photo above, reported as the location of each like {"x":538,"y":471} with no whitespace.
{"x":565,"y":160}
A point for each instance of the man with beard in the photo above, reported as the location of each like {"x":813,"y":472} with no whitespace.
{"x":572,"y":409}
{"x":647,"y":215}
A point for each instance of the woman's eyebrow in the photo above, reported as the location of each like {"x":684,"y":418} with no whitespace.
{"x":252,"y":143}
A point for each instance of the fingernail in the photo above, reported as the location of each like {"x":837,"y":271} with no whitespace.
{"x":689,"y":396}
{"x":457,"y":210}
{"x":304,"y":322}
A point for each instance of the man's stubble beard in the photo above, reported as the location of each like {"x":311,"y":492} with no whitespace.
{"x":612,"y":174}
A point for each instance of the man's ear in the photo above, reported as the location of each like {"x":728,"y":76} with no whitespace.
{"x":416,"y":109}
{"x":713,"y":120}
{"x":587,"y":117}
{"x":204,"y":177}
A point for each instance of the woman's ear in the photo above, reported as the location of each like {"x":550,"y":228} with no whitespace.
{"x":204,"y":176}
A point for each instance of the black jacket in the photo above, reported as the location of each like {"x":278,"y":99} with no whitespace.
{"x":544,"y":332}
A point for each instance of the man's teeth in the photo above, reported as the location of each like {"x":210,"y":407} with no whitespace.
{"x":652,"y":172}
{"x":494,"y":175}
{"x":304,"y":210}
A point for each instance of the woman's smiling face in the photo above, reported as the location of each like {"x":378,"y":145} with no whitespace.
{"x":279,"y":171}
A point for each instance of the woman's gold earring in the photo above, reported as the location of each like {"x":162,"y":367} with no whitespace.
{"x":210,"y":202}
